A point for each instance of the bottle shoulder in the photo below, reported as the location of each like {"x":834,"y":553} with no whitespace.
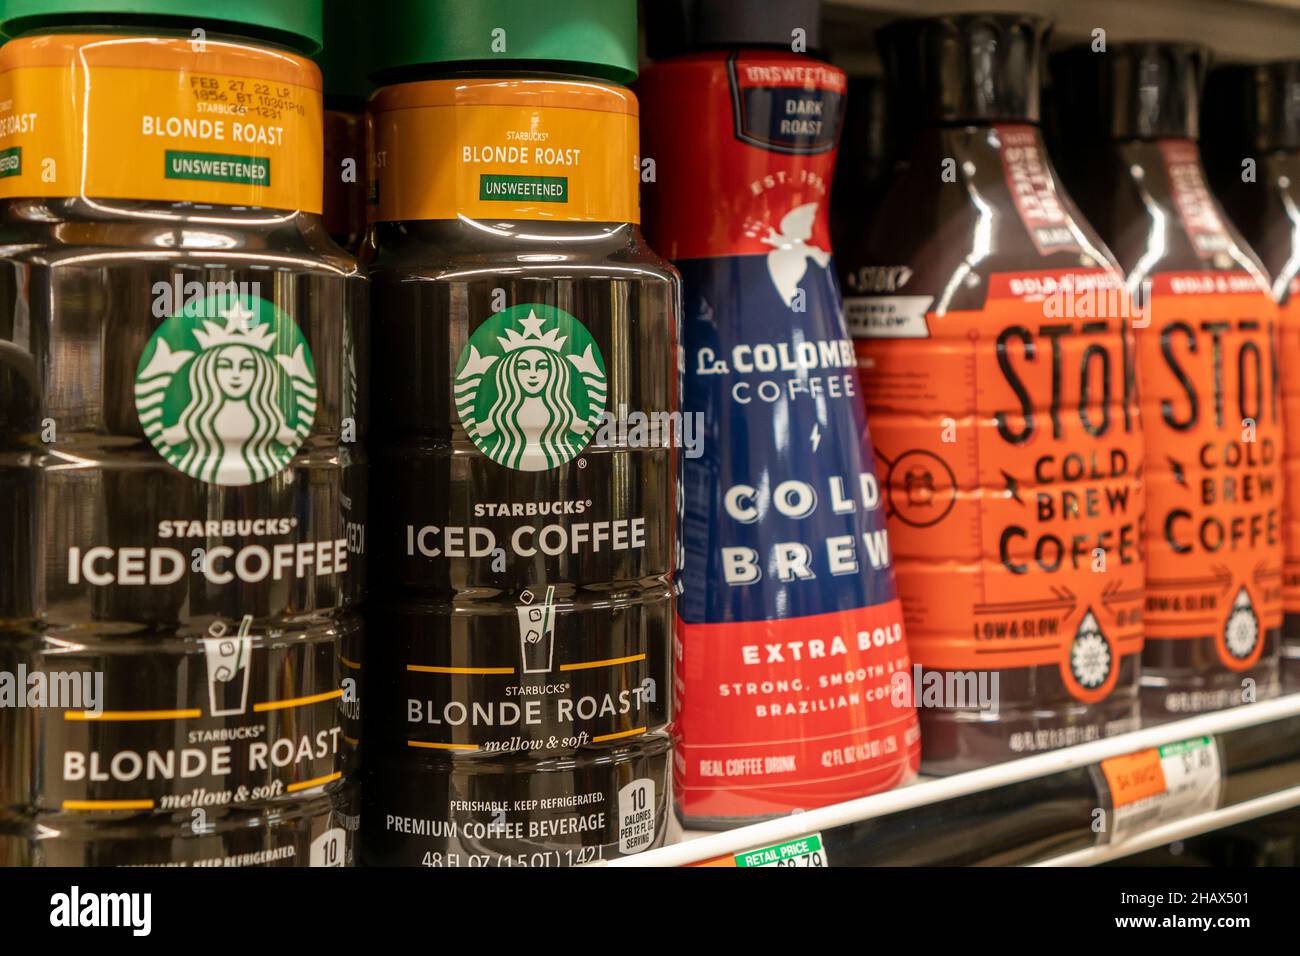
{"x":448,"y":249}
{"x":967,"y":203}
{"x":54,"y":231}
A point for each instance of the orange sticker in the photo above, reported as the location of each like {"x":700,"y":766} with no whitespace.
{"x":1212,"y":414}
{"x":505,"y":149}
{"x":109,"y":117}
{"x":1011,"y":452}
{"x":1134,"y":777}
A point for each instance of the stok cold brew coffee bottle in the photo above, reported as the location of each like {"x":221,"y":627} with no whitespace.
{"x":790,"y":637}
{"x":182,"y":473}
{"x":343,"y":64}
{"x":527,"y":360}
{"x":1252,"y":151}
{"x":1208,"y":370}
{"x":998,"y":368}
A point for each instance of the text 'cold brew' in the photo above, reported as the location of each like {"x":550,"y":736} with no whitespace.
{"x":1252,"y":147}
{"x":1000,"y":377}
{"x":1208,"y":370}
{"x":182,"y":475}
{"x":526,"y":400}
{"x":791,"y":640}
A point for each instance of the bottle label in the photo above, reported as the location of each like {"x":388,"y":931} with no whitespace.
{"x":1211,"y":398}
{"x":233,"y":716}
{"x":1033,"y":189}
{"x":530,"y":387}
{"x":500,"y":149}
{"x":106,"y":117}
{"x":1011,"y":457}
{"x":791,"y":635}
{"x":598,"y":804}
{"x":1192,"y":198}
{"x":317,"y":829}
{"x":226,"y":389}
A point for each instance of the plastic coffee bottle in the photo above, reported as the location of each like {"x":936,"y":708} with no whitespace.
{"x":1208,"y":369}
{"x":182,"y":465}
{"x":343,"y":66}
{"x":791,"y":645}
{"x":864,"y":160}
{"x":1252,"y":147}
{"x":998,"y":368}
{"x":525,"y":486}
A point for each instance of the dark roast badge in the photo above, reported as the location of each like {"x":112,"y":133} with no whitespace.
{"x":794,"y":107}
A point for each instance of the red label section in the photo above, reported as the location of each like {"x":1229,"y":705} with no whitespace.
{"x":785,"y":715}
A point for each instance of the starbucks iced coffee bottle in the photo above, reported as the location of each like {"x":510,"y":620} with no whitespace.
{"x":182,"y":467}
{"x":790,"y":638}
{"x":1251,"y":143}
{"x":527,"y":382}
{"x":1208,"y":369}
{"x":998,"y":367}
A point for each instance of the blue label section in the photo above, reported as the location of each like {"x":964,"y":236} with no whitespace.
{"x":782,"y":512}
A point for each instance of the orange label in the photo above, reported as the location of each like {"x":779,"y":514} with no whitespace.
{"x":151,"y":118}
{"x":1289,"y":343}
{"x":1211,"y":407}
{"x":505,"y":150}
{"x":1011,"y":452}
{"x":1134,"y":777}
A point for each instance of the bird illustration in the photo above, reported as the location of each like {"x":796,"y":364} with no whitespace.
{"x":788,"y":260}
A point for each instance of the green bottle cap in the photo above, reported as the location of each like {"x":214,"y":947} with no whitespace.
{"x":587,"y":37}
{"x":293,"y":23}
{"x":345,"y":59}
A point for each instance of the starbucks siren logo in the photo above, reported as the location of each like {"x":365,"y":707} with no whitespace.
{"x":530,"y":387}
{"x":226,"y":390}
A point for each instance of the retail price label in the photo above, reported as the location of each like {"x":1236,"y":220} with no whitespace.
{"x":1158,"y":786}
{"x":805,"y":851}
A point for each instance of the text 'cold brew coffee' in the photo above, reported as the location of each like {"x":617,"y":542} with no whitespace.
{"x":526,"y":397}
{"x":1252,"y":147}
{"x":790,"y":641}
{"x":1208,"y":370}
{"x":999,"y":371}
{"x":182,"y":474}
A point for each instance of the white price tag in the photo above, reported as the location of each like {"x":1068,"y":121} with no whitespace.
{"x":1157,"y":786}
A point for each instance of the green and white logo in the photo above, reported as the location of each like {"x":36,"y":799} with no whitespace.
{"x":530,"y":387}
{"x":226,"y":389}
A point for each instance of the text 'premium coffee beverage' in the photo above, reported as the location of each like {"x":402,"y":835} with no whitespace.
{"x":1208,"y":372}
{"x":790,"y":639}
{"x":1252,"y":146}
{"x":998,"y":367}
{"x":182,"y":475}
{"x":526,"y":403}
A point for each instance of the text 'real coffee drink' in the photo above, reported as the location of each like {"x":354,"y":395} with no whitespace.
{"x":526,"y":413}
{"x":1208,"y":370}
{"x":343,"y":65}
{"x":790,"y":638}
{"x":998,"y":366}
{"x":182,"y":473}
{"x":1251,"y":140}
